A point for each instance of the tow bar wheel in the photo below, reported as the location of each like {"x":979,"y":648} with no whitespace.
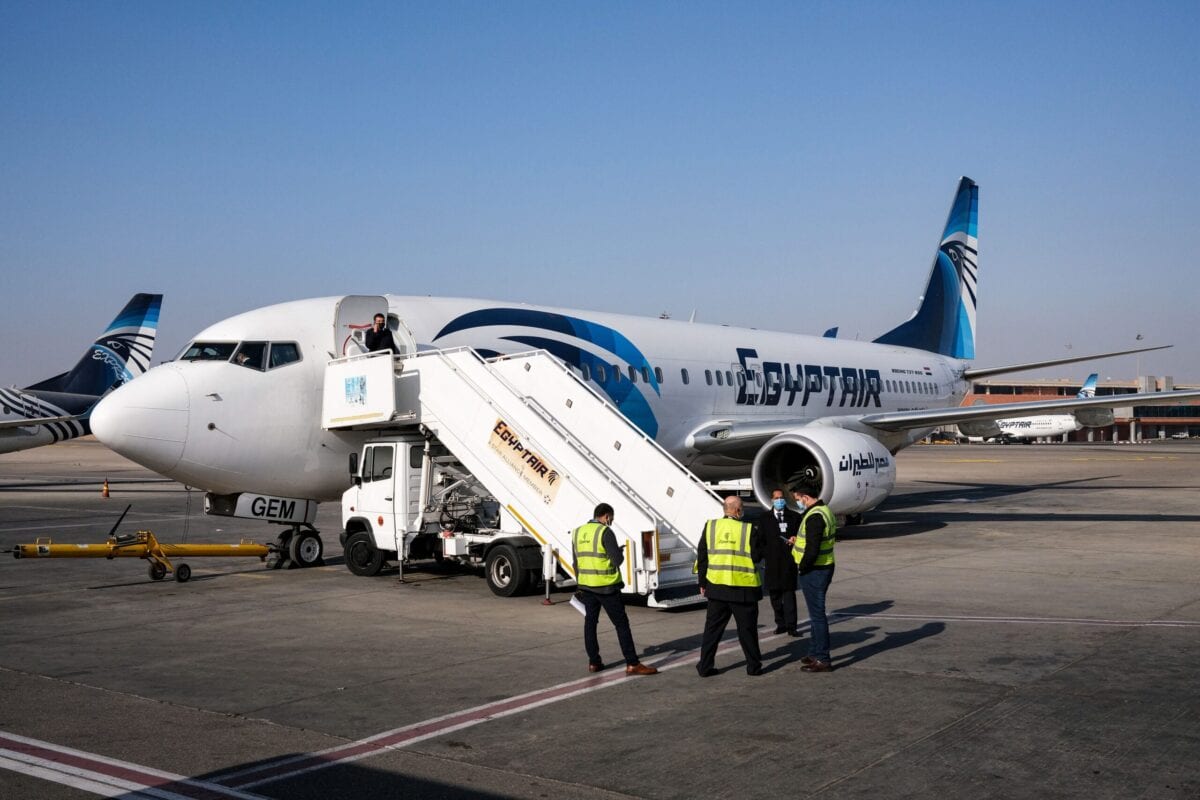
{"x":157,"y":571}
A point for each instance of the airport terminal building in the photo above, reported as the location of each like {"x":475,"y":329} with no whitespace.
{"x":1131,"y":423}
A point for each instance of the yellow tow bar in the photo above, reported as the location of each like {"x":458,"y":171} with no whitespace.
{"x":143,"y":544}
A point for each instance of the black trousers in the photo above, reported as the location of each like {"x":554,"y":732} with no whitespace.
{"x":745,"y":615}
{"x":614,"y":606}
{"x":783,"y":602}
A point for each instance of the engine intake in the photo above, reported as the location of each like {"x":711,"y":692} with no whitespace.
{"x":855,"y":471}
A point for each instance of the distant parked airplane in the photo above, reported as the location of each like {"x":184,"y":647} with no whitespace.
{"x":1043,"y":425}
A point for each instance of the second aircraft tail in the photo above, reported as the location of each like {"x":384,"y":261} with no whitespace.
{"x":117,"y":356}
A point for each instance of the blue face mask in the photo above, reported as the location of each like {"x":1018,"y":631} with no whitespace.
{"x":779,"y":503}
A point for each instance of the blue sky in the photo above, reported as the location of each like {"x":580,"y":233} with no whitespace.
{"x":782,"y":166}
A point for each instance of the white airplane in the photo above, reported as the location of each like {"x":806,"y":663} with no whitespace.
{"x":727,"y":402}
{"x":1041,"y":425}
{"x":56,"y":409}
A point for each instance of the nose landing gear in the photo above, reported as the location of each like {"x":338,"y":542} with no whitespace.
{"x":299,"y":546}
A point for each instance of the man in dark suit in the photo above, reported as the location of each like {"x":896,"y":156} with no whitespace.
{"x":777,"y":525}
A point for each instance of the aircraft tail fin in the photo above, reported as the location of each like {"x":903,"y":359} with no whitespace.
{"x":118,"y":355}
{"x":945,"y":321}
{"x":1089,"y":386}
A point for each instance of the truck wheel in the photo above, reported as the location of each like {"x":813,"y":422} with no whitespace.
{"x":505,"y":576}
{"x":362,"y":556}
{"x":305,"y":549}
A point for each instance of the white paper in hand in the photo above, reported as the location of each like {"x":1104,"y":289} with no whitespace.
{"x":578,"y":606}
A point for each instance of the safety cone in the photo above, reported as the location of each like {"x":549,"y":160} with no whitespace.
{"x":104,"y":488}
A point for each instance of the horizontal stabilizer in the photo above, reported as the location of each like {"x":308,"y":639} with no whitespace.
{"x":33,"y":423}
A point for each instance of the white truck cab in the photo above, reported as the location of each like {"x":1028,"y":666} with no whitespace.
{"x":411,"y":500}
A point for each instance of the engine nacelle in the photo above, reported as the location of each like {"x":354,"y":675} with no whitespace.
{"x":983,"y":428}
{"x":1094,"y":417}
{"x":855,"y":471}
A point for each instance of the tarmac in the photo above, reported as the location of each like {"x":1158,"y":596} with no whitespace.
{"x":1015,"y":621}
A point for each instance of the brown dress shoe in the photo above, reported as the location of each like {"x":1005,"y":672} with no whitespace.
{"x":817,"y":666}
{"x":595,"y":667}
{"x":808,"y":660}
{"x":640,"y":669}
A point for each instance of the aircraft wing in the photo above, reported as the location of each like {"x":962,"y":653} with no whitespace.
{"x":33,"y":423}
{"x":928,"y":418}
{"x":742,"y":439}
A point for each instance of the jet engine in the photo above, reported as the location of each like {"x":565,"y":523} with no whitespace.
{"x":983,"y":428}
{"x":855,"y":472}
{"x":1094,"y":417}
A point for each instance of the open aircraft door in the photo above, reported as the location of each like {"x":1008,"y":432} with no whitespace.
{"x":352,"y":318}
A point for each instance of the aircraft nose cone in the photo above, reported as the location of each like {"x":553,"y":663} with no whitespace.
{"x":146,"y":420}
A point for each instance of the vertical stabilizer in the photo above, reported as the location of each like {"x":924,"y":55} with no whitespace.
{"x":1089,"y":386}
{"x":118,"y":355}
{"x":945,"y":322}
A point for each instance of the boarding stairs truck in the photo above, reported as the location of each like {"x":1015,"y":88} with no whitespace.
{"x":495,"y":462}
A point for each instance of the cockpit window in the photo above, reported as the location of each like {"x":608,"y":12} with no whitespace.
{"x":252,"y":355}
{"x":283,"y":353}
{"x":208,"y":351}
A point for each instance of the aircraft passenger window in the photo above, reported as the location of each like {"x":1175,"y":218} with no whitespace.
{"x":208,"y":351}
{"x":683,"y":375}
{"x":729,"y":377}
{"x":616,"y":374}
{"x":646,"y":374}
{"x":741,"y":379}
{"x":601,"y":377}
{"x":252,"y":355}
{"x":587,"y":372}
{"x":632,"y":374}
{"x":283,"y":353}
{"x":708,"y":376}
{"x":720,"y":381}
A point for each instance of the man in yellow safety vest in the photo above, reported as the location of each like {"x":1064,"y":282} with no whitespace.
{"x":598,"y":560}
{"x":813,"y":551}
{"x":726,"y":568}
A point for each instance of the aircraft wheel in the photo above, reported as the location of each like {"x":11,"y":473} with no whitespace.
{"x":362,"y":556}
{"x":183,"y":573}
{"x":157,"y":571}
{"x":505,"y":576}
{"x":305,"y":549}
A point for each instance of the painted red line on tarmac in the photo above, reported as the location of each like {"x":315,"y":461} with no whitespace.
{"x":77,"y":762}
{"x":427,"y":729}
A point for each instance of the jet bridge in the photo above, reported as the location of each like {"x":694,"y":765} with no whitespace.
{"x":543,"y":444}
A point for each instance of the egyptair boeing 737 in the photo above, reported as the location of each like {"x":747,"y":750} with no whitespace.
{"x":240,"y":411}
{"x":56,"y":409}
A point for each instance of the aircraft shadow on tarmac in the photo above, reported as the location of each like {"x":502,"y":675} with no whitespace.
{"x":352,"y":779}
{"x":898,"y":517}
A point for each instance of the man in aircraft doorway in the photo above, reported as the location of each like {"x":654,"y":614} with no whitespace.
{"x":379,"y":337}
